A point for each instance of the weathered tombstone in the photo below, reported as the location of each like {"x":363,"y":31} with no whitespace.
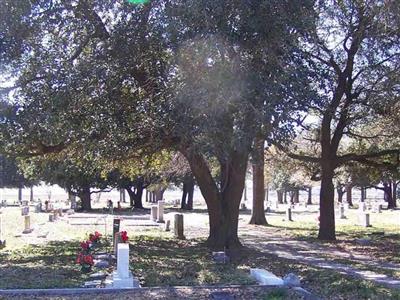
{"x":364,"y":220}
{"x":38,"y":207}
{"x":27,"y":222}
{"x":24,"y":210}
{"x":55,"y":217}
{"x":153,"y":215}
{"x":123,"y":278}
{"x":178,"y":226}
{"x":60,"y":212}
{"x":167,"y":225}
{"x":51,"y":218}
{"x":160,"y":212}
{"x":379,"y":208}
{"x":289,"y":214}
{"x":341,"y":212}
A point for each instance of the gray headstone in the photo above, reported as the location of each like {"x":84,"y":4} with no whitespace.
{"x":178,"y":226}
{"x":289,"y":214}
{"x":160,"y":211}
{"x":153,"y":215}
{"x":341,"y":212}
{"x":167,"y":225}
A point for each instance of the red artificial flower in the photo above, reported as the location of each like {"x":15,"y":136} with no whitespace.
{"x":94,"y":237}
{"x":124,"y":236}
{"x":85,"y":245}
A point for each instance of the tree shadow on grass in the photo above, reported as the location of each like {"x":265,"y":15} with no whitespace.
{"x":51,"y":265}
{"x":164,"y":262}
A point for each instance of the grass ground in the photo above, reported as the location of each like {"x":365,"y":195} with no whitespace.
{"x":159,"y":260}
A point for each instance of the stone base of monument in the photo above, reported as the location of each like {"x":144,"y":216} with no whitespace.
{"x":124,"y":283}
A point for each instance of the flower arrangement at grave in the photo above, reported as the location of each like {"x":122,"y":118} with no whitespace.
{"x":85,"y":256}
{"x":86,"y":261}
{"x":124,"y":236}
{"x":95,"y":238}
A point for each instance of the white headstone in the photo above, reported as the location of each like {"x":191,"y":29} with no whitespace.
{"x":160,"y":212}
{"x":27,"y":227}
{"x":265,"y":278}
{"x":364,"y":220}
{"x":123,"y":278}
{"x":153,"y":215}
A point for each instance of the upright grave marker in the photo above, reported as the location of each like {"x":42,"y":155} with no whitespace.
{"x":160,"y":212}
{"x":154,"y":210}
{"x":27,"y":223}
{"x":178,"y":227}
{"x":123,"y":278}
{"x":289,"y":214}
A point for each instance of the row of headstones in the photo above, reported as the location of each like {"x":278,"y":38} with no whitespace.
{"x":364,"y":218}
{"x":157,"y":215}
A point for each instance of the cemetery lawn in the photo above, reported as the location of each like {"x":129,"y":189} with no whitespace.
{"x":158,"y":260}
{"x":162,"y":261}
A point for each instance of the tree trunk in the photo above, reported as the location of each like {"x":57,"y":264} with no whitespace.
{"x":223,"y":205}
{"x":279,"y":195}
{"x":72,"y":199}
{"x":309,"y":199}
{"x":296,"y":193}
{"x":135,"y":194}
{"x":122,"y":195}
{"x":184,"y":196}
{"x":394,"y":192}
{"x":285,"y":196}
{"x":20,"y":194}
{"x":245,"y":193}
{"x":159,"y":195}
{"x":327,"y":208}
{"x":362,"y":194}
{"x":190,"y":190}
{"x":31,"y":194}
{"x":257,"y":212}
{"x":388,"y":195}
{"x":84,"y":195}
{"x":340,"y":193}
{"x":349,"y":198}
